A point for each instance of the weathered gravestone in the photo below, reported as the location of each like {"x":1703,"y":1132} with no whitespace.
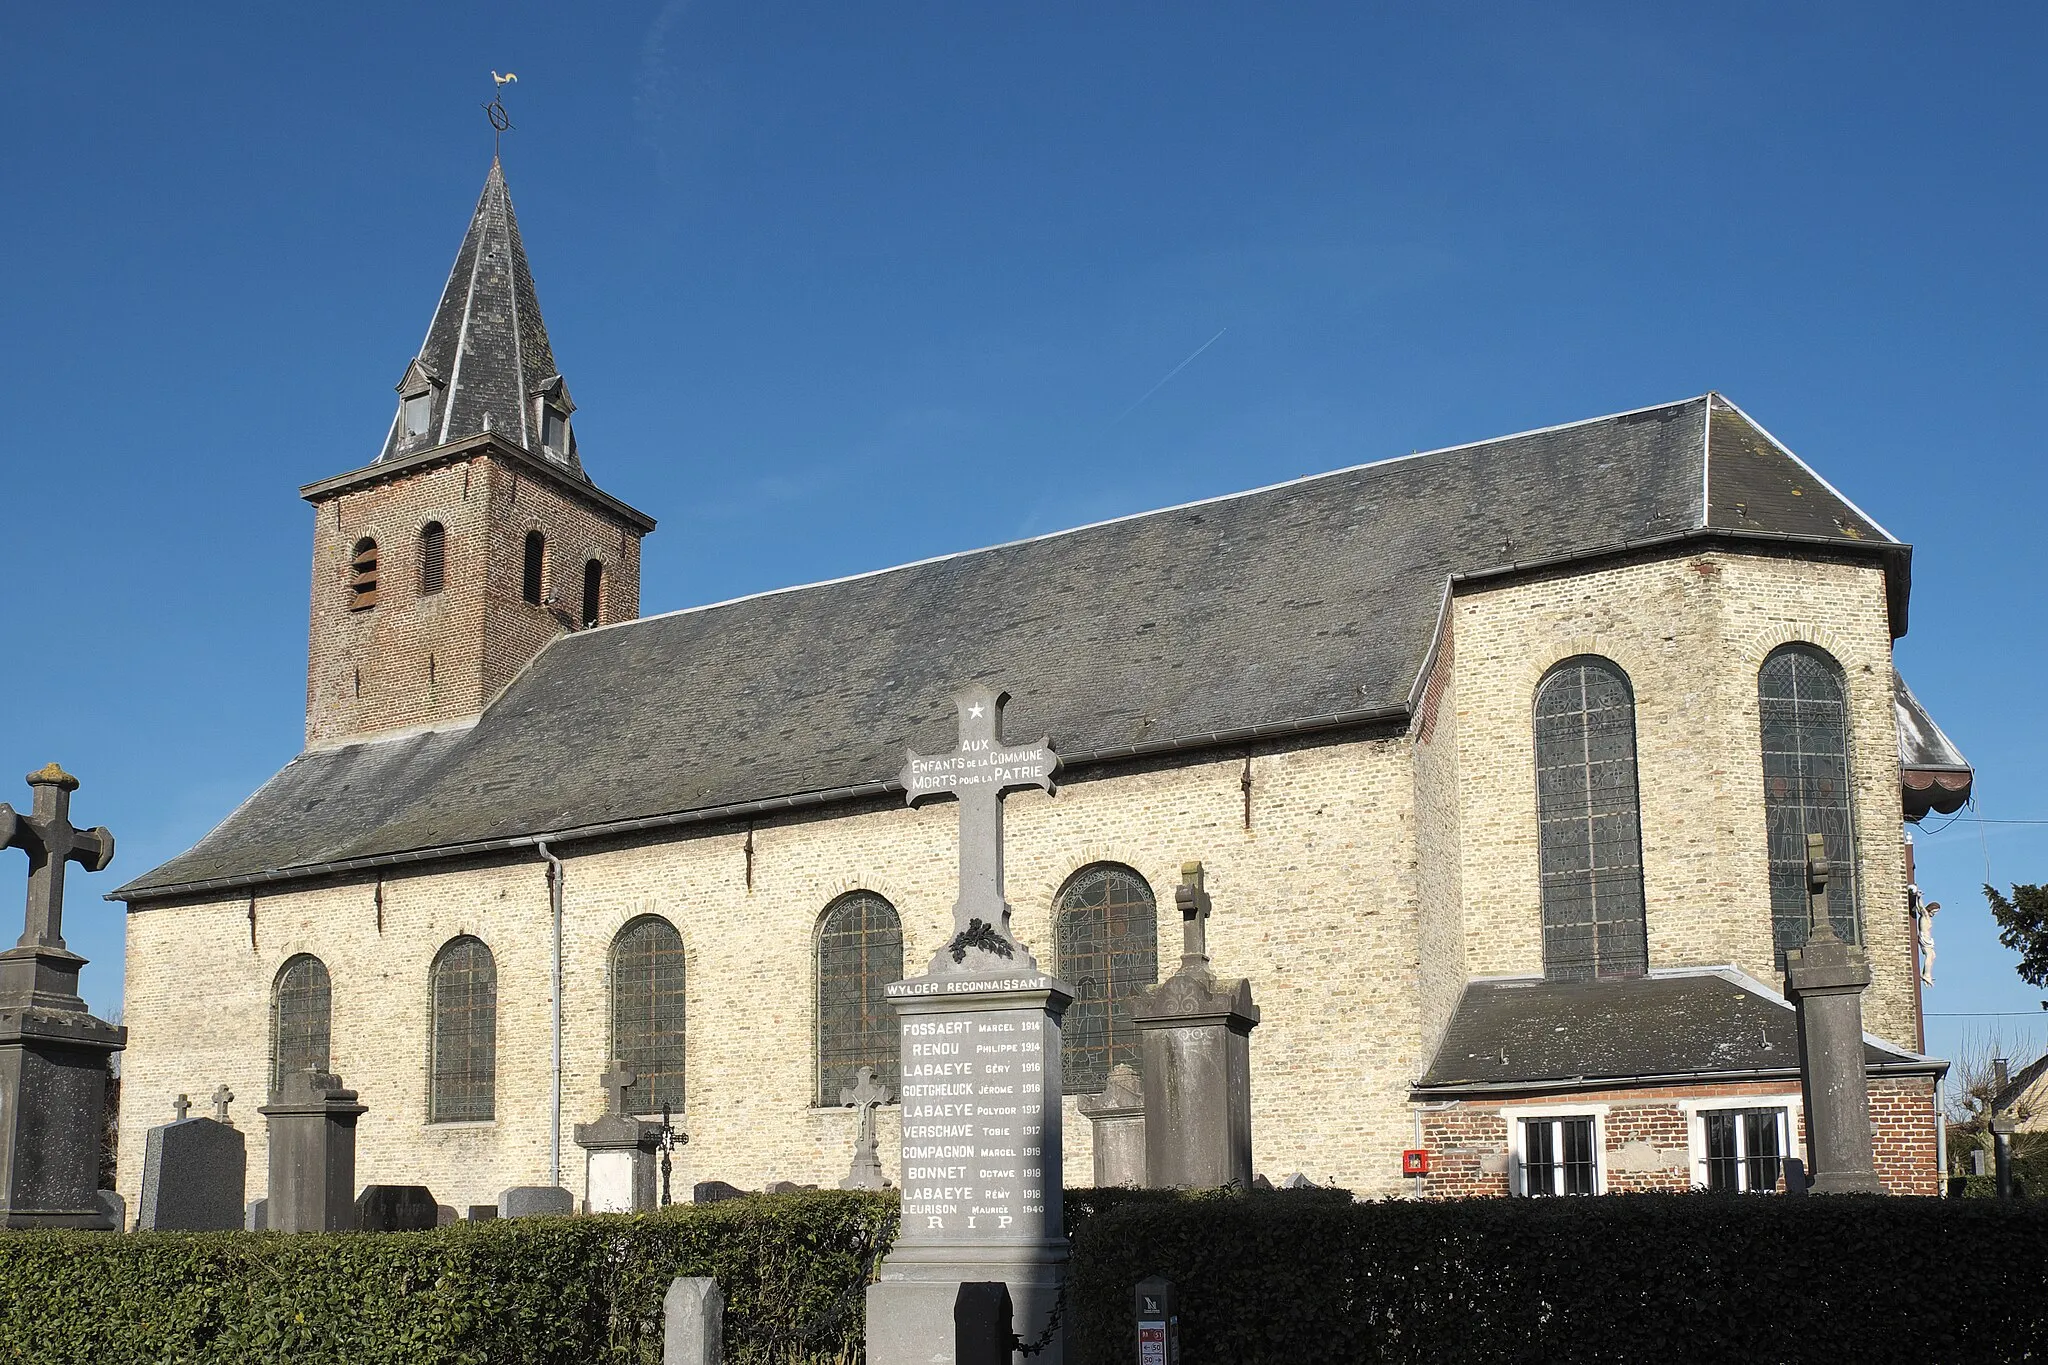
{"x":535,"y":1201}
{"x":714,"y":1192}
{"x":1118,"y":1117}
{"x":53,"y":1053}
{"x":693,"y":1322}
{"x":194,"y":1174}
{"x":396,"y":1208}
{"x":865,"y":1094}
{"x":1826,"y":979}
{"x":256,"y":1216}
{"x":116,"y":1210}
{"x":312,"y":1153}
{"x":980,"y":1040}
{"x":483,"y":1213}
{"x":619,"y":1163}
{"x":1194,"y":1031}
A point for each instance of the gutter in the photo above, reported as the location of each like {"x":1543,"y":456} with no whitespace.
{"x":1209,"y":739}
{"x":1474,"y":1089}
{"x":555,"y":1011}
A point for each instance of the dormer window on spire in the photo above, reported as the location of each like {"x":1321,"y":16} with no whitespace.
{"x":416,"y":404}
{"x":553,"y":406}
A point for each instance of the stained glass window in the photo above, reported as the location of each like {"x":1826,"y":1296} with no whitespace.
{"x":1591,"y":825}
{"x":1107,"y":942}
{"x":647,"y":1012}
{"x":464,"y":1080}
{"x":1805,"y":727}
{"x":860,"y":952}
{"x":301,"y":1018}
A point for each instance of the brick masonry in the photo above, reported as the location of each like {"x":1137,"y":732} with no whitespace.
{"x":1379,"y":872}
{"x":419,"y":659}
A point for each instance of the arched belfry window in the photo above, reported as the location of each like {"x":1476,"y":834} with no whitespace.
{"x":593,"y":593}
{"x":1804,"y":721}
{"x":463,"y":1079}
{"x":1590,"y":822}
{"x":1106,"y":936}
{"x":860,"y":952}
{"x":362,"y":575}
{"x":647,"y":1012}
{"x":301,"y":1018}
{"x":536,"y":561}
{"x":433,"y":558}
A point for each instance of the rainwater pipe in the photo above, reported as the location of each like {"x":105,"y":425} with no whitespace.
{"x":555,"y":1010}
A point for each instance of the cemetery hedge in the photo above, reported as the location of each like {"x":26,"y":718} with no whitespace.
{"x":530,"y":1291}
{"x":1264,"y":1279}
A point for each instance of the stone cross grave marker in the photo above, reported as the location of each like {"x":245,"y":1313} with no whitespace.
{"x":866,"y":1095}
{"x":49,"y":838}
{"x":182,"y":1107}
{"x":980,"y":1050}
{"x":222,"y":1097}
{"x":979,"y":774}
{"x":616,"y":1083}
{"x":618,"y":1166}
{"x":1192,"y":898}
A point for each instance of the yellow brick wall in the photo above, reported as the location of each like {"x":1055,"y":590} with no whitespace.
{"x":1691,"y":633}
{"x":1313,"y":904}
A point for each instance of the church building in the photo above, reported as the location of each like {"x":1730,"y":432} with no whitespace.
{"x":1500,"y":760}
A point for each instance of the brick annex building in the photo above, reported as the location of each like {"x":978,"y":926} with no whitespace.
{"x":1500,"y":758}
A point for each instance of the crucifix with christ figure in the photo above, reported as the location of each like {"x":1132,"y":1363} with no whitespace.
{"x":979,"y":774}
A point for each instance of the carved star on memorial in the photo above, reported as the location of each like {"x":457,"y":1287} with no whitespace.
{"x":979,"y":774}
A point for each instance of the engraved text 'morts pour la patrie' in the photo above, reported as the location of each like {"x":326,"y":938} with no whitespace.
{"x":980,"y":1038}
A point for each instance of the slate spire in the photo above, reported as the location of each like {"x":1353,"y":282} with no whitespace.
{"x":486,"y":364}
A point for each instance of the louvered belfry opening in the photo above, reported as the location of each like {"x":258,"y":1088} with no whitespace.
{"x":362,"y":575}
{"x":464,"y":1081}
{"x":1804,"y":725}
{"x":647,"y":1012}
{"x":301,"y":1016}
{"x":433,"y":558}
{"x":860,"y":951}
{"x":593,"y":593}
{"x":1107,"y":942}
{"x":1590,"y":823}
{"x":536,"y":562}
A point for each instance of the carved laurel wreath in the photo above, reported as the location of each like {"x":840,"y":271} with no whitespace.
{"x":979,"y":934}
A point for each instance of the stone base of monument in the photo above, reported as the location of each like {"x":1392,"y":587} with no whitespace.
{"x":910,"y":1308}
{"x":619,"y":1169}
{"x":53,"y":1085}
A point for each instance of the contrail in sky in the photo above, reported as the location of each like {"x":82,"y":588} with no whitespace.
{"x":1169,"y":374}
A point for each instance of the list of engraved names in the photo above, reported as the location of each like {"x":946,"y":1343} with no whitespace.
{"x":973,"y":1118}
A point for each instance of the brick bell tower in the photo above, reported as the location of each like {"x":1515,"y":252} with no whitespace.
{"x":476,"y":537}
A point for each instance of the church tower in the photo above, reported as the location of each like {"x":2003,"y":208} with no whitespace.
{"x":475,"y":537}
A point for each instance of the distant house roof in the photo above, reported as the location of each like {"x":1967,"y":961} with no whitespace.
{"x":1304,"y":605}
{"x":1933,"y":774}
{"x":1694,"y":1024}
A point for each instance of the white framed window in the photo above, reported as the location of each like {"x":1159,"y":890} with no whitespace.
{"x":419,"y":413}
{"x":1739,"y":1143}
{"x":1557,"y":1151}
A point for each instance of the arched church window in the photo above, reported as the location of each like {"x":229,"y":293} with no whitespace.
{"x":301,"y":1018}
{"x":1106,"y":938}
{"x":433,"y":558}
{"x":1590,"y":822}
{"x":593,"y":592}
{"x":463,"y":1083}
{"x":647,"y":1011}
{"x":1804,"y":722}
{"x":860,"y":952}
{"x":536,"y":560}
{"x":362,"y":575}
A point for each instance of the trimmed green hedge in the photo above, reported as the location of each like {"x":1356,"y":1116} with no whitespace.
{"x":1279,"y":1279}
{"x":541,"y":1291}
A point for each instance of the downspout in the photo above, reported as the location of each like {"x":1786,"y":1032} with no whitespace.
{"x":555,"y":1010}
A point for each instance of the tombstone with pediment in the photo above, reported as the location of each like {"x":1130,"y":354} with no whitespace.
{"x":619,"y":1151}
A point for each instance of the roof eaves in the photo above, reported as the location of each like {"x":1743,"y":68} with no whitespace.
{"x":490,"y":442}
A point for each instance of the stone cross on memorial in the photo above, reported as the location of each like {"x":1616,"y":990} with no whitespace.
{"x":53,"y":1054}
{"x":866,"y":1095}
{"x":616,"y":1083}
{"x":182,"y":1107}
{"x":980,"y":1051}
{"x":222,"y":1098}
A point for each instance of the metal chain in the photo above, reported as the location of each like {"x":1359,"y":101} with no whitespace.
{"x":1052,"y":1325}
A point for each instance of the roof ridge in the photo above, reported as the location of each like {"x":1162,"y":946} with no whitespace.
{"x":1789,"y":453}
{"x":1210,"y":501}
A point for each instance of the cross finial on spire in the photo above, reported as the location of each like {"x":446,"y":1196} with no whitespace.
{"x":501,"y":122}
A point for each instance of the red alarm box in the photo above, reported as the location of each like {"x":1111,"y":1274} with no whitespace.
{"x":1415,"y":1161}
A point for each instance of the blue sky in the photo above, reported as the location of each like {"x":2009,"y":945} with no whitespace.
{"x":841,"y":286}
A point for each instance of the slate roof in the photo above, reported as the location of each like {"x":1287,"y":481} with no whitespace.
{"x":1933,"y":774}
{"x":487,"y":348}
{"x":1694,"y":1023}
{"x":1308,"y":604}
